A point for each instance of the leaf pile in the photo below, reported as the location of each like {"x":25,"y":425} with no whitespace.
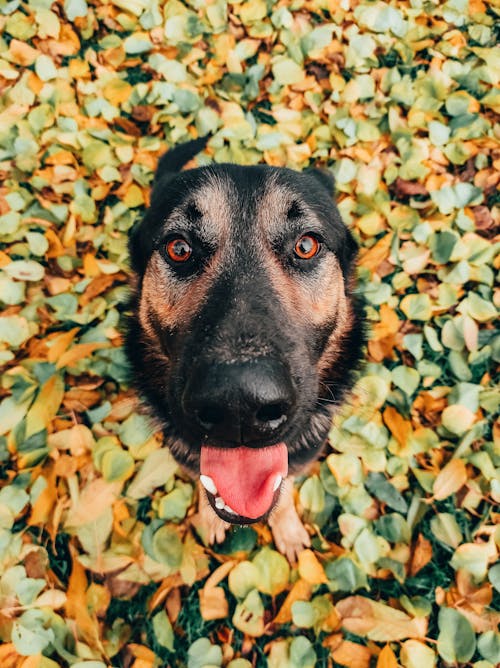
{"x":100,"y":561}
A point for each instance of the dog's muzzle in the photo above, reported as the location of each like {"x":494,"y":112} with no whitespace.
{"x":240,"y":411}
{"x":241,"y":403}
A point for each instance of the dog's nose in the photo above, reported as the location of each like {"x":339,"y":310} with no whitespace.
{"x":240,"y":402}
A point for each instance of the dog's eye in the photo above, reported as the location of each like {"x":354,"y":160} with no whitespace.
{"x":178,"y":250}
{"x":307,"y":247}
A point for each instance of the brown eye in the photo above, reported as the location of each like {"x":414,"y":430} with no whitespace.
{"x":178,"y":250}
{"x":307,"y":247}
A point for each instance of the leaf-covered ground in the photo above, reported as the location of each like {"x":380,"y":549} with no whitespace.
{"x":100,"y":560}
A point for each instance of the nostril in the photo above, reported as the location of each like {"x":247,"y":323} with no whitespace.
{"x":272,"y":413}
{"x":209,"y":416}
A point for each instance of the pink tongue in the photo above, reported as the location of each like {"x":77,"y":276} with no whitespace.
{"x":245,"y":477}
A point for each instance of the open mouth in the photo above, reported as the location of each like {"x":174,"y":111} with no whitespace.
{"x":243,"y":484}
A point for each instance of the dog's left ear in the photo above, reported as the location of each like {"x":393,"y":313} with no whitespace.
{"x":324,"y":177}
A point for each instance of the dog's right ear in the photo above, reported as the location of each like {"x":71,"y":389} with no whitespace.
{"x":141,"y":237}
{"x":174,"y":160}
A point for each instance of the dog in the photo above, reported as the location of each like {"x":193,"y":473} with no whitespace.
{"x":245,"y":334}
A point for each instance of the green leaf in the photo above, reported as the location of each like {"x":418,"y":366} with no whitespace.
{"x":157,"y":469}
{"x":202,"y":653}
{"x":249,"y":615}
{"x":445,"y":528}
{"x":302,"y":654}
{"x":117,"y":465}
{"x":312,"y":495}
{"x":416,"y":306}
{"x":163,"y":630}
{"x":406,"y":378}
{"x":378,"y":485}
{"x":167,"y":547}
{"x":273,"y":571}
{"x":303,"y":614}
{"x":345,"y":575}
{"x":243,"y":578}
{"x":394,"y":528}
{"x":287,"y":72}
{"x":488,"y":645}
{"x":456,"y":640}
{"x":75,"y":9}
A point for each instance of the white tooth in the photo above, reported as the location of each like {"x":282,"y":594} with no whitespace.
{"x":219,"y":503}
{"x":277,"y":482}
{"x":229,"y":510}
{"x":208,"y":484}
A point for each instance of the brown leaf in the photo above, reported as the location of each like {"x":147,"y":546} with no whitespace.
{"x":422,"y":554}
{"x":404,"y":188}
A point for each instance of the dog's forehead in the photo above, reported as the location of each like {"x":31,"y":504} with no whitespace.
{"x":232,"y":200}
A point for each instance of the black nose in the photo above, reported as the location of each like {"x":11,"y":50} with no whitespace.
{"x":240,"y":402}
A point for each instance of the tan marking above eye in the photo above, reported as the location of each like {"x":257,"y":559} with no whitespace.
{"x":178,"y":250}
{"x":307,"y":247}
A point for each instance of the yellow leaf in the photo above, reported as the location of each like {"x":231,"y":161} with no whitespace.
{"x":377,"y":621}
{"x":58,"y":345}
{"x":213,"y":603}
{"x":95,"y":499}
{"x":77,"y":353}
{"x":310,"y":569}
{"x":450,"y":479}
{"x":387,"y":658}
{"x":45,"y":406}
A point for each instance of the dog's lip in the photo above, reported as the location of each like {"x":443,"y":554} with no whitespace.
{"x":234,"y":518}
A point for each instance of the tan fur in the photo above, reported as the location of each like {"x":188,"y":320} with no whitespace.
{"x":170,"y":300}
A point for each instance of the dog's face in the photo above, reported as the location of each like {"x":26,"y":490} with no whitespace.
{"x":244,"y":336}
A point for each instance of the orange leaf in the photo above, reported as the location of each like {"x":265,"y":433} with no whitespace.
{"x":213,"y":603}
{"x":41,"y":509}
{"x":352,"y":655}
{"x":374,"y":256}
{"x":387,"y":658}
{"x":310,"y":568}
{"x":301,"y":591}
{"x":8,"y":655}
{"x":450,"y":479}
{"x":76,"y":604}
{"x":90,"y":265}
{"x":398,"y":426}
{"x":58,"y":345}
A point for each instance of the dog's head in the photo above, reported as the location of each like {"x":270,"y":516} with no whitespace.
{"x":244,"y":335}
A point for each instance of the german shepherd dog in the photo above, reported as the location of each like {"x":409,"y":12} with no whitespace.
{"x":245,"y":334}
